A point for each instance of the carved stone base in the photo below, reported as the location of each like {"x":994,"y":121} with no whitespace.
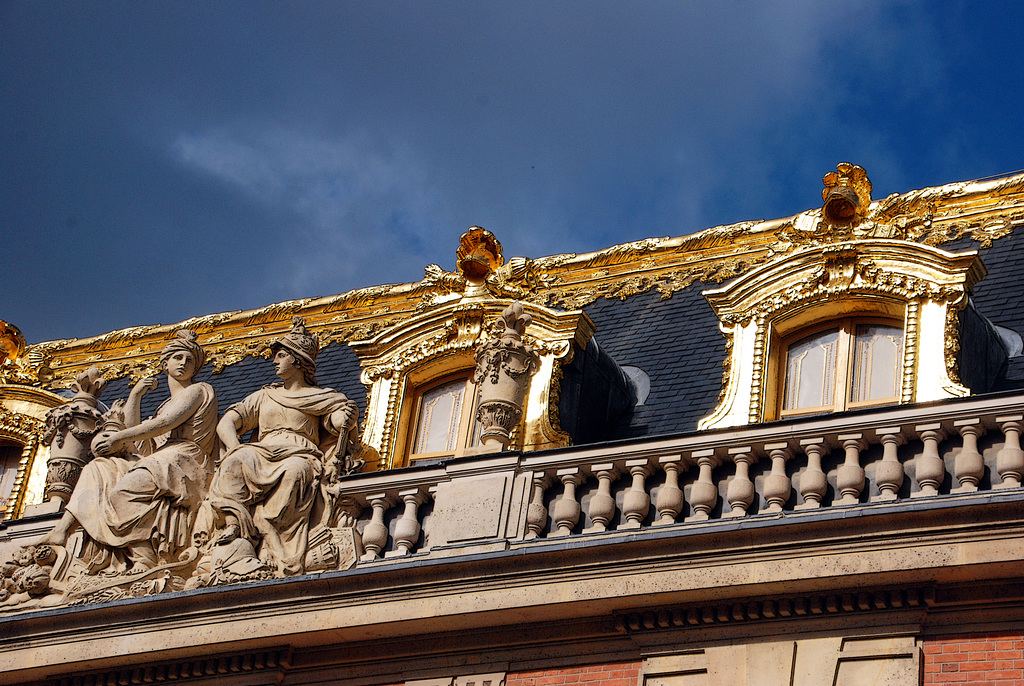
{"x":498,"y":418}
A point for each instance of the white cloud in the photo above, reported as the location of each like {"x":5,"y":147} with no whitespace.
{"x":356,"y":201}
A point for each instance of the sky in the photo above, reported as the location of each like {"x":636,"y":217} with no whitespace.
{"x":162,"y":160}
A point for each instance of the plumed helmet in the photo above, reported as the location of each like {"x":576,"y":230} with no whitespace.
{"x":300,"y":343}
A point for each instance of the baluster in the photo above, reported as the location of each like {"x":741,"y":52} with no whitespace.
{"x":777,"y":486}
{"x":930,"y":469}
{"x":1010,"y":460}
{"x":741,"y":489}
{"x":703,"y":493}
{"x":812,"y":482}
{"x":635,"y":502}
{"x":566,"y":510}
{"x":889,"y":472}
{"x":850,"y":476}
{"x":407,"y":528}
{"x":602,"y":504}
{"x":375,"y":533}
{"x":670,"y":496}
{"x":536,"y":513}
{"x":969,"y":465}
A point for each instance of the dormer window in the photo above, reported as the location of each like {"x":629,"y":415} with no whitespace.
{"x":10,"y":459}
{"x":848,"y":364}
{"x":445,"y":419}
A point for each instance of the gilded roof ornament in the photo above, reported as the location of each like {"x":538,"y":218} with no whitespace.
{"x":983,"y":210}
{"x":479,"y":255}
{"x":847,"y":194}
{"x":19,"y":363}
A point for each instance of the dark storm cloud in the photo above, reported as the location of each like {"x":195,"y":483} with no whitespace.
{"x":166,"y":160}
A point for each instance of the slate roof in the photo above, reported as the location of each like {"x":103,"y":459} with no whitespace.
{"x":675,"y":342}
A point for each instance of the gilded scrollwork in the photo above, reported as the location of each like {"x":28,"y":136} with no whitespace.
{"x":983,"y":211}
{"x":952,"y":344}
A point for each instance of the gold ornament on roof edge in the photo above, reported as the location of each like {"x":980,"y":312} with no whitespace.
{"x":479,"y":254}
{"x":847,"y":194}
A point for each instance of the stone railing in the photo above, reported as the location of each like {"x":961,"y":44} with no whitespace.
{"x":782,"y":469}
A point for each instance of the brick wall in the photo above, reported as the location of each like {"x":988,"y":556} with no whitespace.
{"x":609,"y":674}
{"x":979,"y":660}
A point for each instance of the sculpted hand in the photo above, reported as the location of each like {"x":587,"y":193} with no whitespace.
{"x":107,"y":445}
{"x":145,"y":385}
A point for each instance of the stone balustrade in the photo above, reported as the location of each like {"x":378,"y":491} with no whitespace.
{"x":782,"y":470}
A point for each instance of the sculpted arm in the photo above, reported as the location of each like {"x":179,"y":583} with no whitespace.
{"x":132,"y":417}
{"x":227,"y":429}
{"x":343,"y":419}
{"x":174,"y":413}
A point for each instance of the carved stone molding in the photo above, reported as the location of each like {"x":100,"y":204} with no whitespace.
{"x":266,"y":666}
{"x":918,"y":284}
{"x":440,"y":342}
{"x":777,"y":608}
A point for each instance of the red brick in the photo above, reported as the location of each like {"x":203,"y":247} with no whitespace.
{"x":953,"y":678}
{"x":1005,"y":654}
{"x":976,"y":666}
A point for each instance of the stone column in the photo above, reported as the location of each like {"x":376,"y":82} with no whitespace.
{"x":375,"y":533}
{"x":969,"y":465}
{"x":69,"y":432}
{"x":602,"y":504}
{"x":741,"y":492}
{"x":889,"y":472}
{"x":850,"y":478}
{"x":504,"y":366}
{"x":777,"y":486}
{"x":536,"y":513}
{"x":703,"y":493}
{"x":635,"y":502}
{"x":566,"y":509}
{"x":670,"y":495}
{"x":1010,"y":460}
{"x":813,"y":483}
{"x":930,"y":469}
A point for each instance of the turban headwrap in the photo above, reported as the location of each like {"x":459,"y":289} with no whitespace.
{"x":186,"y":340}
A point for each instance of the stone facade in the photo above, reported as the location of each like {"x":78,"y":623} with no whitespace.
{"x":631,"y":503}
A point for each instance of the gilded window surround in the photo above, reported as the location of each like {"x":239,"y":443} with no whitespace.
{"x":22,"y":413}
{"x":920,"y":284}
{"x":441,"y":342}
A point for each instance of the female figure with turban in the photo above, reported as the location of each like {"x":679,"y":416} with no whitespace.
{"x":138,"y":498}
{"x":265,"y":491}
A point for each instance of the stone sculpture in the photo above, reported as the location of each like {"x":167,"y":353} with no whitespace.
{"x":146,"y":512}
{"x":267,"y":495}
{"x":504,"y":365}
{"x":69,"y":432}
{"x":136,"y":500}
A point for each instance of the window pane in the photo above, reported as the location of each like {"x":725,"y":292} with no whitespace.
{"x":877,"y":357}
{"x":10,"y":459}
{"x":438,"y":423}
{"x":811,"y":371}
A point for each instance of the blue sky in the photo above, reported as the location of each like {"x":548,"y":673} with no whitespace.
{"x":164,"y":160}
